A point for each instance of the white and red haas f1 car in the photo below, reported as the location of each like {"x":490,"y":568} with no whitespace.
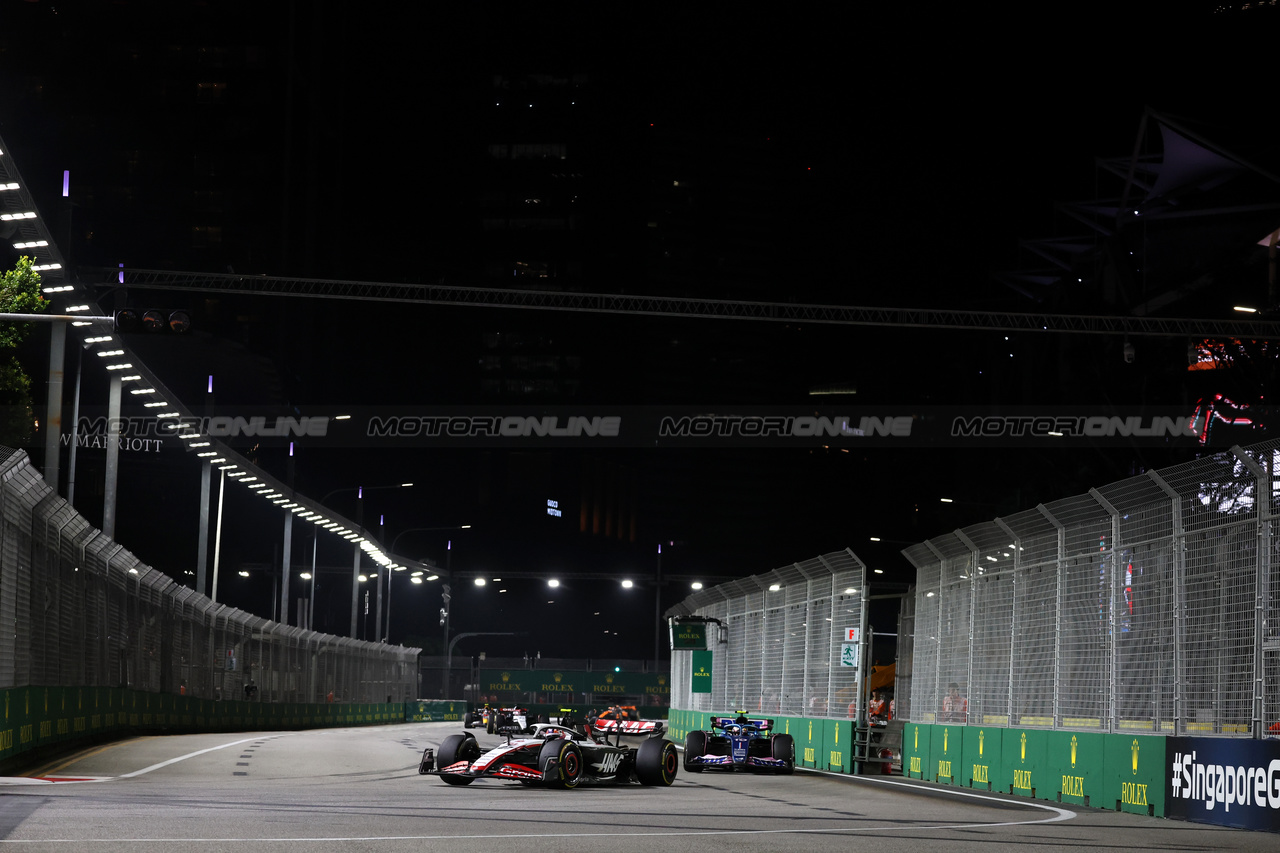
{"x":556,"y":757}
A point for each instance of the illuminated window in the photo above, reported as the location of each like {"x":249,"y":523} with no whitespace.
{"x":210,"y":93}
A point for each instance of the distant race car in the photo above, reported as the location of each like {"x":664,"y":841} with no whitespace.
{"x":493,"y":719}
{"x":619,"y":712}
{"x":739,"y":743}
{"x":478,"y":717}
{"x":557,"y":757}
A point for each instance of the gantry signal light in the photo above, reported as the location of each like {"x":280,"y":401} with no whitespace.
{"x":152,"y":320}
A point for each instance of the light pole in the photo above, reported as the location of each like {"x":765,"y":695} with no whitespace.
{"x":657,"y":610}
{"x":448,"y":576}
{"x":355,"y":564}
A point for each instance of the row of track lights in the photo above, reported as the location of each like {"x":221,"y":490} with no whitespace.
{"x":116,"y":358}
{"x":555,"y":582}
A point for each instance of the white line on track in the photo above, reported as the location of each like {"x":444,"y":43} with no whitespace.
{"x":193,"y":755}
{"x":1058,"y":814}
{"x":898,"y":828}
{"x":24,"y":780}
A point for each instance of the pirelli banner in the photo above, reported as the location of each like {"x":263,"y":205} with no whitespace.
{"x":539,"y":686}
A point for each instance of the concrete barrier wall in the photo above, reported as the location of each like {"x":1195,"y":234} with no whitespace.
{"x":38,"y":718}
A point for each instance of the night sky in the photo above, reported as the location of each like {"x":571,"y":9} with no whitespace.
{"x":842,"y":155}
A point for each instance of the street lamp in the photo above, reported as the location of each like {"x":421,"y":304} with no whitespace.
{"x":355,"y":565}
{"x":448,"y":578}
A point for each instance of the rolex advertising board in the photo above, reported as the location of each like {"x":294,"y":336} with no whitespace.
{"x":548,"y":685}
{"x":688,"y":636}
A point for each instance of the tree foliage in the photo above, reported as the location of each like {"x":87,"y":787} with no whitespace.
{"x":19,"y":294}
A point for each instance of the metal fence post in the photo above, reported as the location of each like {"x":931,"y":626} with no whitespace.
{"x":1061,"y":567}
{"x":1179,"y":594}
{"x":1113,"y":650}
{"x":935,"y":701}
{"x":980,"y":712}
{"x":1013,"y":619}
{"x":1262,"y":499}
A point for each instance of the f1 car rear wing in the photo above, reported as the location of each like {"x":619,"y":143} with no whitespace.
{"x":631,"y":727}
{"x":763,"y":725}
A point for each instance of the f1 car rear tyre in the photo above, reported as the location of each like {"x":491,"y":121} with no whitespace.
{"x":784,"y":747}
{"x":569,"y":762}
{"x":657,"y":762}
{"x":453,"y":749}
{"x":492,"y":725}
{"x":695,"y":744}
{"x":467,"y":720}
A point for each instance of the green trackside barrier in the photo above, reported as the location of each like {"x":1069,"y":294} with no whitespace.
{"x":837,"y":742}
{"x":680,"y":723}
{"x":1124,"y":772}
{"x":915,"y":749}
{"x":435,"y":711}
{"x":982,"y":763}
{"x":1134,"y":769}
{"x":947,"y":746}
{"x":808,"y":738}
{"x":1078,"y":758}
{"x":1026,"y":770}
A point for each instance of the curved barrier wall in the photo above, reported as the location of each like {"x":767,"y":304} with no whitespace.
{"x":47,"y":718}
{"x":102,"y":643}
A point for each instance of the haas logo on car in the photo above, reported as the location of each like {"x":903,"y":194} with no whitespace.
{"x":609,"y":763}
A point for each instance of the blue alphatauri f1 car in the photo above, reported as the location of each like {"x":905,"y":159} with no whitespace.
{"x":739,"y":743}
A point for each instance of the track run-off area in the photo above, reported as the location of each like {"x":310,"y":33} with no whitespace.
{"x":359,"y":789}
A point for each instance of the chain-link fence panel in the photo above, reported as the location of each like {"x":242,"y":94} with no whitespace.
{"x":786,"y":640}
{"x":1146,"y":604}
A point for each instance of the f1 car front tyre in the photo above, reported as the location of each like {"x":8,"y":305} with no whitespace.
{"x":453,"y":749}
{"x":568,"y":762}
{"x":784,"y":747}
{"x":657,"y":762}
{"x":695,"y":744}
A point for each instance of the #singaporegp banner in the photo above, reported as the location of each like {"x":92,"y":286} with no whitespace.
{"x":1224,"y":781}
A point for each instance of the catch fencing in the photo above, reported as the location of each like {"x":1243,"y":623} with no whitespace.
{"x":781,"y":641}
{"x":1147,"y":605}
{"x":86,"y":613}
